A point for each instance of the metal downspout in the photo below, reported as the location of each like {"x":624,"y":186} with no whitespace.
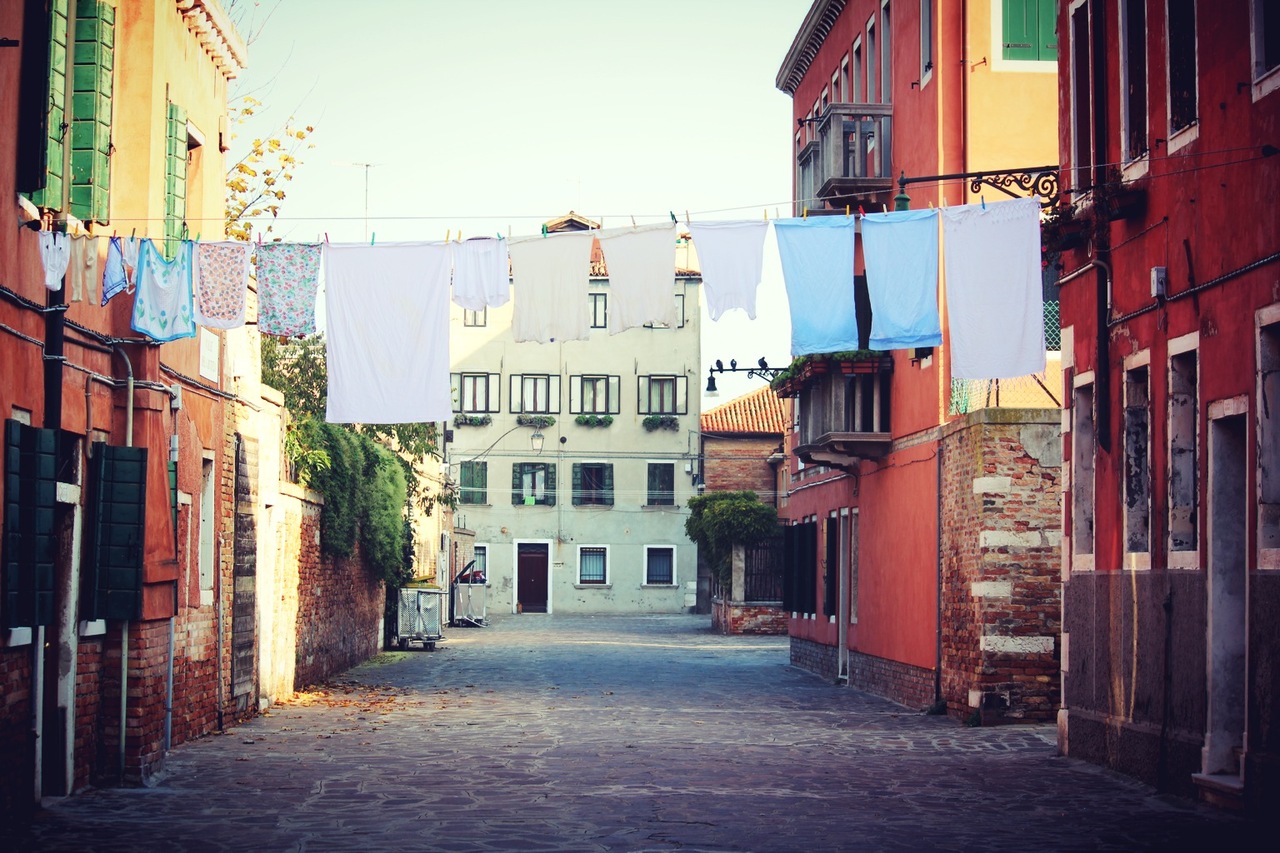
{"x":124,"y":626}
{"x":937,"y":670}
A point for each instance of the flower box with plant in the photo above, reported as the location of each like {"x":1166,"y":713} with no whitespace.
{"x":653,"y":422}
{"x":535,"y":421}
{"x":593,"y":420}
{"x":472,"y":420}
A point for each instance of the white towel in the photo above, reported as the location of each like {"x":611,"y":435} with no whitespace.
{"x":900,"y":251}
{"x":481,"y":277}
{"x":731,"y":255}
{"x":641,"y":262}
{"x":994,"y":304}
{"x":387,"y":332}
{"x":550,"y":276}
{"x":817,"y":268}
{"x":55,"y":253}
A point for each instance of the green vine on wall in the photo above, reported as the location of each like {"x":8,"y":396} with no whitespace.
{"x":719,"y":520}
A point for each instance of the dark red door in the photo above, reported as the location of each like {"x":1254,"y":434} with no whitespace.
{"x":531,"y":578}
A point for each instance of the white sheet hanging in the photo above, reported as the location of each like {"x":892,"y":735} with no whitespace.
{"x":550,"y":275}
{"x":387,"y":332}
{"x":993,"y":285}
{"x":641,"y":263}
{"x":481,"y":276}
{"x":731,"y":255}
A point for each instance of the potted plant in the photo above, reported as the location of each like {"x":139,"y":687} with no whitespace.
{"x":472,"y":420}
{"x":536,"y":421}
{"x":593,"y":420}
{"x":653,"y":422}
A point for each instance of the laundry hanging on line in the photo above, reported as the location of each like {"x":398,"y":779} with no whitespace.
{"x":640,"y":262}
{"x":549,"y":275}
{"x":900,"y":255}
{"x":481,"y":275}
{"x":731,"y":257}
{"x":162,"y":302}
{"x":288,"y":280}
{"x":221,"y":281}
{"x":817,"y":268}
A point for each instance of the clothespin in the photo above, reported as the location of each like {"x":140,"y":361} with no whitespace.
{"x":806,"y":213}
{"x":544,"y":229}
{"x":861,"y":212}
{"x":499,"y":233}
{"x":134,"y":235}
{"x":447,"y":233}
{"x":931,"y":205}
{"x":633,"y":222}
{"x":983,"y":199}
{"x":198,"y":236}
{"x":372,"y":237}
{"x":846,"y":211}
{"x":686,"y":219}
{"x":884,"y":208}
{"x":459,"y":235}
{"x":326,"y":237}
{"x":673,"y":216}
{"x":766,"y":214}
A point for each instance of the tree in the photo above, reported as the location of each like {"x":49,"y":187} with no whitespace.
{"x":255,"y":182}
{"x":719,"y":520}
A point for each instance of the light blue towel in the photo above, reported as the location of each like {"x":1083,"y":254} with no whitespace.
{"x":817,"y":266}
{"x":900,"y":252}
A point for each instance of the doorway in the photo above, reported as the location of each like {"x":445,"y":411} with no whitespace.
{"x":1227,"y":594}
{"x":533,"y":568}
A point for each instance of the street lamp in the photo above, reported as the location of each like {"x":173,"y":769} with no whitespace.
{"x":536,"y":440}
{"x":762,"y":370}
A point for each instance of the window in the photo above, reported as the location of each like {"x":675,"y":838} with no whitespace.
{"x":1265,"y":23}
{"x":599,"y":310}
{"x":593,"y":564}
{"x":473,"y":318}
{"x":844,"y":79}
{"x":1137,"y":462}
{"x":1184,"y":520}
{"x":679,"y":315}
{"x":1082,"y":449}
{"x":1030,"y":30}
{"x":473,"y":482}
{"x":595,"y":395}
{"x":1081,"y":100}
{"x":533,"y":393}
{"x":830,"y":567}
{"x":835,"y":87}
{"x":826,"y":99}
{"x":592,"y":484}
{"x":662,"y":484}
{"x":474,"y":392}
{"x":1181,"y":62}
{"x":533,"y":483}
{"x":1269,"y":433}
{"x":857,"y":73}
{"x":64,"y":158}
{"x":886,"y":56}
{"x":926,"y":41}
{"x":1133,"y":79}
{"x":659,"y":565}
{"x":663,"y":395}
{"x":872,"y":65}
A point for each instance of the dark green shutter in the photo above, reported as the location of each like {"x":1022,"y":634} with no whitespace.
{"x":481,"y":476}
{"x":112,"y":571}
{"x":577,"y":484}
{"x":551,"y":484}
{"x":51,"y":195}
{"x":173,"y":501}
{"x":516,"y":486}
{"x":93,"y":65}
{"x":175,"y":180}
{"x":1048,"y":30}
{"x":830,"y":580}
{"x":30,"y":502}
{"x":608,"y":485}
{"x":1021,"y":32}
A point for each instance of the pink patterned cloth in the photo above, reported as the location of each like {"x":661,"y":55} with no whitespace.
{"x":222,"y":279}
{"x":288,"y":278}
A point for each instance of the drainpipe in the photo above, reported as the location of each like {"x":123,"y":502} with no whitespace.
{"x":168,"y":677}
{"x":124,"y":626}
{"x":937,"y":670}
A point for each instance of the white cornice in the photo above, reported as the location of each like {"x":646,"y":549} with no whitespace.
{"x":209,"y":23}
{"x":813,"y":32}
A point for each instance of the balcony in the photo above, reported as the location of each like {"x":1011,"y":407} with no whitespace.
{"x":844,"y":409}
{"x":855,"y":155}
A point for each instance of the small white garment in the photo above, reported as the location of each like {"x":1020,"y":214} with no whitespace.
{"x":550,"y":276}
{"x":900,"y":252}
{"x":83,"y":268}
{"x":995,"y":306}
{"x":731,"y":255}
{"x":641,"y":264}
{"x":481,"y":275}
{"x":55,"y":254}
{"x":387,"y":332}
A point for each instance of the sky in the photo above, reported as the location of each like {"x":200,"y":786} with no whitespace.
{"x":494,"y":117}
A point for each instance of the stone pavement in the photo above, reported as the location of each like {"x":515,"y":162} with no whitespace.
{"x":618,"y":733}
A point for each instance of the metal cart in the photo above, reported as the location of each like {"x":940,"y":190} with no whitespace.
{"x":419,"y":617}
{"x":470,"y":590}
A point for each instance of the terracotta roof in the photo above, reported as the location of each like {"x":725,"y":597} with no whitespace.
{"x":761,"y":411}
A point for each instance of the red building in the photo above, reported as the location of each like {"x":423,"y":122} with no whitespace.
{"x":1170,"y":300}
{"x":924,"y":513}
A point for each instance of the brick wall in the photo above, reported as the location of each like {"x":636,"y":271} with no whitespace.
{"x":17,"y":737}
{"x":905,"y":684}
{"x":815,"y":657}
{"x":739,"y":464}
{"x":1001,"y":599}
{"x":728,"y":617}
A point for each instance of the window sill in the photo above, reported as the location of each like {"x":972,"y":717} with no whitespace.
{"x":1081,"y":562}
{"x":658,"y":507}
{"x":1137,"y":561}
{"x":1135,"y":168}
{"x":18,"y":637}
{"x":1184,"y":560}
{"x":659,"y":586}
{"x":1266,"y":84}
{"x":460,"y":505}
{"x":93,"y":628}
{"x":593,"y":586}
{"x":1269,"y":558}
{"x":1180,"y":139}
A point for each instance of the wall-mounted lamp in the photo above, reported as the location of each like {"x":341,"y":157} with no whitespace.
{"x":762,"y":370}
{"x":536,"y":440}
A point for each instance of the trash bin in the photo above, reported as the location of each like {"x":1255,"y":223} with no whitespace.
{"x":419,"y":617}
{"x":470,"y":591}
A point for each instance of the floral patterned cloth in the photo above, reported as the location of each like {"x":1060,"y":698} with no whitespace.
{"x":162,"y":303}
{"x":221,"y":281}
{"x":288,"y":278}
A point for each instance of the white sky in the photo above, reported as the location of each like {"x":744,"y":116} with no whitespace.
{"x":495,"y":116}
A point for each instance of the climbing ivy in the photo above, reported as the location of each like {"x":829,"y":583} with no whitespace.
{"x":719,"y":520}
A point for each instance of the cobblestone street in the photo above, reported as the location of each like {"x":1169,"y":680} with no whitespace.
{"x":615,"y":733}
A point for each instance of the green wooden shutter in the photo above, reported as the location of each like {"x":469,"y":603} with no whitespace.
{"x":829,"y":579}
{"x":1048,"y":30}
{"x":173,"y":501}
{"x":608,"y":485}
{"x":516,"y":485}
{"x":1021,"y":31}
{"x":29,"y":544}
{"x":577,"y":484}
{"x":111,"y":576}
{"x":551,"y":485}
{"x":93,"y":65}
{"x":481,"y":484}
{"x":175,"y":180}
{"x":51,"y":195}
